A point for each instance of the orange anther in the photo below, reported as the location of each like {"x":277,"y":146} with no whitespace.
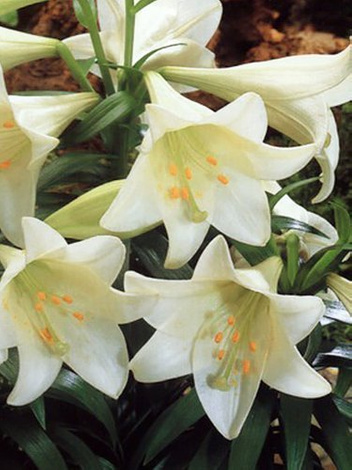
{"x":41,"y":295}
{"x":235,"y":336}
{"x":8,"y":125}
{"x":231,"y":320}
{"x":46,"y":335}
{"x":78,"y":315}
{"x":55,"y":300}
{"x":174,"y":193}
{"x":246,"y":366}
{"x":223,"y":179}
{"x":221,"y":354}
{"x":218,"y":337}
{"x":188,"y":173}
{"x":5,"y":165}
{"x":253,"y":346}
{"x":185,"y":194}
{"x":212,"y":160}
{"x":38,"y":307}
{"x":68,"y":299}
{"x":173,"y":169}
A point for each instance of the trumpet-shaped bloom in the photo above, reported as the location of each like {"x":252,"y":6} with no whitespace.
{"x":230,"y":329}
{"x":57,"y":306}
{"x":298,"y":93}
{"x":6,"y":6}
{"x":17,"y":47}
{"x":199,"y":168}
{"x":162,"y":24}
{"x":29,"y":127}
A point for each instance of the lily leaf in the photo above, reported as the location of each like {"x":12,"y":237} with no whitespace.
{"x":280,"y":222}
{"x":79,"y":12}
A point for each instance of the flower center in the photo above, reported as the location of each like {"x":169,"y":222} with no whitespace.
{"x":235,"y":342}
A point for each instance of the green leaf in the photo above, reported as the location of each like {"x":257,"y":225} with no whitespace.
{"x":344,"y":407}
{"x":211,"y":453}
{"x":38,"y":408}
{"x":342,"y":223}
{"x":341,"y":355}
{"x":143,"y":59}
{"x":280,"y":222}
{"x":256,"y":254}
{"x":296,"y":418}
{"x":335,"y":310}
{"x":313,"y":344}
{"x":338,"y":438}
{"x":114,"y":109}
{"x":31,"y":438}
{"x":78,"y":450}
{"x":10,"y":19}
{"x":86,"y":64}
{"x":175,"y":420}
{"x":80,"y":15}
{"x":247,"y":447}
{"x":142,"y":4}
{"x":344,"y":381}
{"x":275,"y":198}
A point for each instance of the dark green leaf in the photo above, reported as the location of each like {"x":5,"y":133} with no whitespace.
{"x":344,"y":381}
{"x":335,"y":310}
{"x":342,"y":223}
{"x":211,"y":453}
{"x":280,"y":222}
{"x":78,"y":450}
{"x":296,"y":417}
{"x":105,"y":464}
{"x":275,"y":198}
{"x":313,"y":344}
{"x":113,"y":109}
{"x":80,"y":15}
{"x":256,"y":254}
{"x":247,"y":447}
{"x":86,"y":64}
{"x":344,"y":407}
{"x":30,"y":437}
{"x":338,"y":438}
{"x":341,"y":355}
{"x":38,"y":408}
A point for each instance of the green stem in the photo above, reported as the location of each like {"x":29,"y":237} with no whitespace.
{"x":98,"y":47}
{"x":129,"y":32}
{"x":76,"y":71}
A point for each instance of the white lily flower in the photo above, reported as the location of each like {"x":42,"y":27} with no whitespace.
{"x":57,"y":306}
{"x":230,"y":329}
{"x":17,"y":47}
{"x":162,"y":24}
{"x":6,"y":6}
{"x":29,"y":127}
{"x":199,"y":168}
{"x":342,"y":288}
{"x":298,"y":93}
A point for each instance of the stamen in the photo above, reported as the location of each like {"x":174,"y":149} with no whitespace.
{"x":38,"y":307}
{"x":8,"y":125}
{"x":185,"y":194}
{"x":235,"y":336}
{"x":246,"y":366}
{"x":68,"y":299}
{"x":218,"y":337}
{"x":5,"y":165}
{"x":174,"y":193}
{"x":212,"y":160}
{"x":173,"y":169}
{"x":55,"y":300}
{"x":46,"y":335}
{"x":221,"y":354}
{"x":223,"y":179}
{"x":253,"y":346}
{"x":41,"y":295}
{"x":231,"y":320}
{"x":78,"y":315}
{"x":188,"y":173}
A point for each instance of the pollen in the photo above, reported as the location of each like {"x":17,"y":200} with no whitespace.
{"x":235,"y":337}
{"x":231,"y":320}
{"x":218,"y":337}
{"x":8,"y":125}
{"x":5,"y":165}
{"x":253,"y":346}
{"x":246,"y":366}
{"x":78,"y":315}
{"x":46,"y":335}
{"x":173,"y":169}
{"x":68,"y":299}
{"x":38,"y":307}
{"x":41,"y":295}
{"x":188,"y":173}
{"x":212,"y":160}
{"x":223,"y":179}
{"x":184,"y":194}
{"x":174,"y":193}
{"x":221,"y":354}
{"x":55,"y":300}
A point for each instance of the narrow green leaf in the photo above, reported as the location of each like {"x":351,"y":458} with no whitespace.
{"x":313,"y":344}
{"x":342,"y":223}
{"x":292,"y":247}
{"x":275,"y":198}
{"x":142,"y":4}
{"x":337,"y":435}
{"x":80,"y":15}
{"x":105,"y":464}
{"x":344,"y":381}
{"x":143,"y":59}
{"x":31,"y":438}
{"x":344,"y":407}
{"x":281,"y":222}
{"x":77,"y":449}
{"x":113,"y":109}
{"x":341,"y":355}
{"x":296,"y":418}
{"x":335,"y":310}
{"x":38,"y":408}
{"x":247,"y":447}
{"x":256,"y":254}
{"x":86,"y":64}
{"x":211,"y":453}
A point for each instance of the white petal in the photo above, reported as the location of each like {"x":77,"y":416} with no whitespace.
{"x":103,"y":254}
{"x":215,"y":262}
{"x":297,"y":314}
{"x":3,"y":355}
{"x":8,"y":337}
{"x":40,"y":239}
{"x":128,"y":307}
{"x":163,"y":357}
{"x":287,"y":371}
{"x":111,"y":14}
{"x":340,"y":94}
